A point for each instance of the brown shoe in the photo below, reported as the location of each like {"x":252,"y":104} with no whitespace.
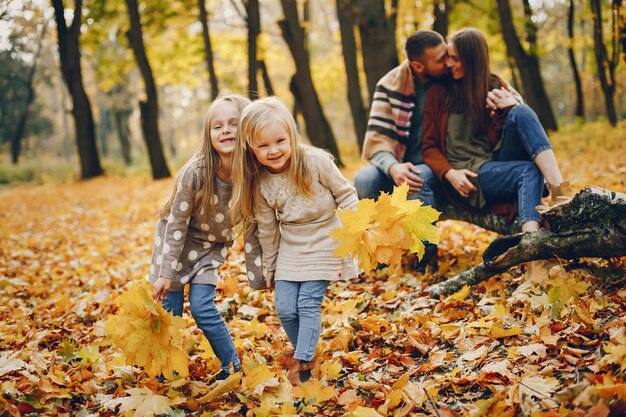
{"x":560,"y":193}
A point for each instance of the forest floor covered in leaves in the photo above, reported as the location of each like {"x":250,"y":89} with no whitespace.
{"x":506,"y":347}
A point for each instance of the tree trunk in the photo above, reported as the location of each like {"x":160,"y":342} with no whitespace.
{"x":580,"y":107}
{"x":208,"y":50}
{"x":378,"y":41}
{"x":441,"y":14}
{"x":16,"y":140}
{"x":120,"y":118}
{"x":592,"y":224}
{"x":149,"y":109}
{"x":317,"y":127}
{"x":345,"y":14}
{"x":103,"y":130}
{"x":267,"y":82}
{"x":69,"y":54}
{"x":253,"y":21}
{"x":607,"y":81}
{"x":528,"y":64}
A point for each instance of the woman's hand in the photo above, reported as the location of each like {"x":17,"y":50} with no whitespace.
{"x":160,"y":288}
{"x":269,"y":279}
{"x":499,"y":98}
{"x":460,"y":181}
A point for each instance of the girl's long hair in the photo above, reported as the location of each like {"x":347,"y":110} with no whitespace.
{"x":471,"y":91}
{"x":211,"y":158}
{"x":247,"y":170}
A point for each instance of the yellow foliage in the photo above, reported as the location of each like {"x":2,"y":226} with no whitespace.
{"x":314,"y":391}
{"x":148,"y":335}
{"x":381,"y":231}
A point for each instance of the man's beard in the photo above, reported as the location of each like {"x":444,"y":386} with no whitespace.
{"x":446,"y":76}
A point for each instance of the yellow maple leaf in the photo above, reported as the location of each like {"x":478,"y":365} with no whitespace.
{"x":498,"y":331}
{"x":564,"y":289}
{"x":615,"y":354}
{"x":419,"y":219}
{"x":148,"y":335}
{"x":364,"y":412}
{"x":381,"y":231}
{"x":331,"y":369}
{"x":314,"y":392}
{"x":142,"y":401}
{"x":258,"y":376}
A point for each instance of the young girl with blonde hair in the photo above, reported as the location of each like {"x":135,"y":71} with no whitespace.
{"x":194,"y":230}
{"x":289,"y":192}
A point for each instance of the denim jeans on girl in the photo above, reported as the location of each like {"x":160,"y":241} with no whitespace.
{"x":512,"y":173}
{"x":208,"y":319}
{"x":298,"y":306}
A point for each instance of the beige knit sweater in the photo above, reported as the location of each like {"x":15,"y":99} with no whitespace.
{"x":293,"y":229}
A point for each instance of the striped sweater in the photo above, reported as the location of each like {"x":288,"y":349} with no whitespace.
{"x":393,"y":104}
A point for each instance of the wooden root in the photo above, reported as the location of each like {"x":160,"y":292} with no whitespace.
{"x":591,"y":225}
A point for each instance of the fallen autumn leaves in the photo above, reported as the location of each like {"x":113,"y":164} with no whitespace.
{"x":505,"y":347}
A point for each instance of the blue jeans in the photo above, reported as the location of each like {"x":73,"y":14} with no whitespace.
{"x":299,"y":308}
{"x":208,"y":319}
{"x":369,"y":182}
{"x":512,"y":173}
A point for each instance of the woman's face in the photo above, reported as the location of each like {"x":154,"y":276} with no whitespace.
{"x":453,"y":62}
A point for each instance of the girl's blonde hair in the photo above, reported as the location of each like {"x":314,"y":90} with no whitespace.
{"x":247,"y":170}
{"x":207,"y":153}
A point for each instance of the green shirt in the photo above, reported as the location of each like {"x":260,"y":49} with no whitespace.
{"x":464,"y":151}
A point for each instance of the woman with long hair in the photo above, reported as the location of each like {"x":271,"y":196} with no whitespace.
{"x":487,"y":159}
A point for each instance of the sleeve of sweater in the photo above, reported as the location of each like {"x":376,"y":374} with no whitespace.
{"x":330,"y":176}
{"x":432,"y":152}
{"x":253,"y":256}
{"x":178,"y":223}
{"x":268,"y":233}
{"x":381,"y":133}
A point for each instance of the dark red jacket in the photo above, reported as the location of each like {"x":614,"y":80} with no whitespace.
{"x":434,"y":145}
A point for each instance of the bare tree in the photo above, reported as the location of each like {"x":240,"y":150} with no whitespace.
{"x":69,"y":54}
{"x":377,"y":28}
{"x":606,"y":64}
{"x":317,"y":127}
{"x":442,"y":16}
{"x":580,"y":107}
{"x":208,"y":50}
{"x":346,"y":17}
{"x":150,"y":107}
{"x":16,"y":140}
{"x":527,"y":62}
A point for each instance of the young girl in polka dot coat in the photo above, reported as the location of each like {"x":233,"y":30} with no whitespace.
{"x":194,"y":230}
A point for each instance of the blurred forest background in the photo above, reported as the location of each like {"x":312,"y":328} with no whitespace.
{"x":121,"y":86}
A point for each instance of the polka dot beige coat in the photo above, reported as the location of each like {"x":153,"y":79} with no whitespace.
{"x":190,"y":249}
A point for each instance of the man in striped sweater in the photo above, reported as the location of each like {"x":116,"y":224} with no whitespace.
{"x":393,"y":142}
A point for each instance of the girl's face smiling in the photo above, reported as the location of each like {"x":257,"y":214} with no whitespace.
{"x":223,"y":129}
{"x":272,"y":148}
{"x":454,"y":62}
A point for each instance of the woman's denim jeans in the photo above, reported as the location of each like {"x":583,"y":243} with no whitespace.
{"x":512,"y":173}
{"x":298,"y":306}
{"x":208,"y":319}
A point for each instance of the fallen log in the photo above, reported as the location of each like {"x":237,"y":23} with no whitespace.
{"x":591,"y":225}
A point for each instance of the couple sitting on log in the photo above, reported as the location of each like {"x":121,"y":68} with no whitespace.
{"x":458,"y":134}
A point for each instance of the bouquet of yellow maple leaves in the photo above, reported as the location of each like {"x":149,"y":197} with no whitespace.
{"x":148,"y":335}
{"x":382,"y":231}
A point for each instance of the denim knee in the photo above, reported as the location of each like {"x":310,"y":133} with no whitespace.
{"x":286,"y":309}
{"x":369,"y":182}
{"x":204,"y":310}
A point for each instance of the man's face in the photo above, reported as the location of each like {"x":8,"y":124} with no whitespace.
{"x":432,"y":64}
